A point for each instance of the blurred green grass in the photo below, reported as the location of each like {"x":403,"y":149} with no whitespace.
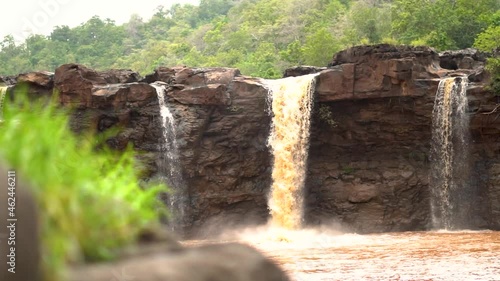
{"x":90,"y":200}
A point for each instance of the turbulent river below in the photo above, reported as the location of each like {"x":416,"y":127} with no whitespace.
{"x":310,"y":255}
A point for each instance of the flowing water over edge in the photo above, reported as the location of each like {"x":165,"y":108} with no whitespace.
{"x":291,"y":105}
{"x":451,"y":195}
{"x":169,"y":165}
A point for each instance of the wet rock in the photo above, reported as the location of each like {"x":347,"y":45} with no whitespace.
{"x":362,"y":193}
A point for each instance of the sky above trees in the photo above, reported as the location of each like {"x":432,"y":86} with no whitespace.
{"x":23,"y":17}
{"x":260,"y":37}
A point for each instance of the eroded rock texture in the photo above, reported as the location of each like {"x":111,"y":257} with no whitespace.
{"x":222,"y":126}
{"x":370,"y":136}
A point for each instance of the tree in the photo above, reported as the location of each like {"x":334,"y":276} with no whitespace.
{"x":210,"y":9}
{"x":262,"y":37}
{"x":319,"y":47}
{"x":366,"y":22}
{"x":444,"y":24}
{"x":489,"y":41}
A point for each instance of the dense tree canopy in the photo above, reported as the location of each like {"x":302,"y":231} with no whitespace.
{"x":261,"y":37}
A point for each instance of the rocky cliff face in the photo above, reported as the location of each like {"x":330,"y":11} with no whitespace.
{"x":370,"y":139}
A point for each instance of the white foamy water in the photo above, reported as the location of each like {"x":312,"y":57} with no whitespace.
{"x":291,"y":105}
{"x":314,"y":255}
{"x":170,"y":164}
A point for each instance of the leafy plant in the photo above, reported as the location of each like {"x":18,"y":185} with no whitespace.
{"x":348,"y":170}
{"x":90,"y":202}
{"x":325,"y":114}
{"x":489,"y":41}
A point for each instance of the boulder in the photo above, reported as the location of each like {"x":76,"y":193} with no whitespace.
{"x":224,"y":262}
{"x":43,"y":79}
{"x":115,"y":76}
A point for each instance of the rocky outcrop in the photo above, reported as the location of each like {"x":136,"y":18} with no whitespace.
{"x":7,"y":80}
{"x":222,"y":127}
{"x":462,"y":59}
{"x":370,"y":135}
{"x":225,"y":262}
{"x":222,"y":139}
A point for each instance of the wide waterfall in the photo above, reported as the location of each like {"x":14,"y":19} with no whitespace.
{"x":169,"y":164}
{"x":450,"y":155}
{"x":3,"y":93}
{"x":291,"y":103}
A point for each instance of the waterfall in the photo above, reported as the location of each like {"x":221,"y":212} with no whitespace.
{"x":3,"y":93}
{"x":169,"y":163}
{"x":291,"y":103}
{"x":449,"y":155}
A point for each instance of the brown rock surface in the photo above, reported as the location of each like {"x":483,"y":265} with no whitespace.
{"x":115,"y":76}
{"x":369,"y":156}
{"x":42,"y":79}
{"x":225,"y":262}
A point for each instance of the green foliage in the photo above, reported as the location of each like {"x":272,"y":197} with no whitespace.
{"x":90,"y":202}
{"x":366,"y":22}
{"x":262,"y":62}
{"x":319,"y":47}
{"x":263,"y":37}
{"x":493,"y":66}
{"x":489,"y":41}
{"x":444,"y":24}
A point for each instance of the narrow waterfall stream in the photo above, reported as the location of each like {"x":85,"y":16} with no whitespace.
{"x":291,"y":103}
{"x":449,"y":155}
{"x":169,"y":165}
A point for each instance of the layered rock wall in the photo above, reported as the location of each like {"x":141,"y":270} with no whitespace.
{"x":370,"y":136}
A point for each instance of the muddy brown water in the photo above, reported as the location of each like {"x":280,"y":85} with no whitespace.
{"x":310,"y":255}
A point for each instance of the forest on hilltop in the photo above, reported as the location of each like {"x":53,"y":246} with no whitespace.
{"x":260,"y":37}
